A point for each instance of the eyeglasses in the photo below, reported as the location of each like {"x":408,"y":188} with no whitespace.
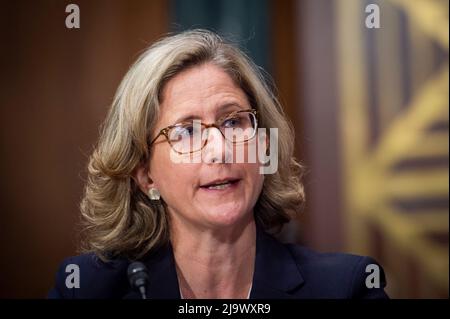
{"x":192,"y":136}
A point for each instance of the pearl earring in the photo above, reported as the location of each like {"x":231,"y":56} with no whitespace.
{"x":154,"y":194}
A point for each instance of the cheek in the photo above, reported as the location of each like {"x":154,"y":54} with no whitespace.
{"x":168,"y":175}
{"x":254,"y":178}
{"x":252,"y":152}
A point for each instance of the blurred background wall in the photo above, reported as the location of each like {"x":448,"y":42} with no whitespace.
{"x":370,"y":109}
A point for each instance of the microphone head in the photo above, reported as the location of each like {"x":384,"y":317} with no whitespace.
{"x":137,"y":274}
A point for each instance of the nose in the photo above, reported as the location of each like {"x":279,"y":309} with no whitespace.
{"x":217,"y":149}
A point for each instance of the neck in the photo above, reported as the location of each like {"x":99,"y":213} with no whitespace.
{"x":216,"y":263}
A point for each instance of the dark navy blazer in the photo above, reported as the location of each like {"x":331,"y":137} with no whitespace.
{"x":282,"y":271}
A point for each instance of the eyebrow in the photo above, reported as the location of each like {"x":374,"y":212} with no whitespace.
{"x":220,"y":111}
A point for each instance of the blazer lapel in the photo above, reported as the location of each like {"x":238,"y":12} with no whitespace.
{"x":276,"y":274}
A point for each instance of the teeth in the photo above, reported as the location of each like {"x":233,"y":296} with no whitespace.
{"x":221,"y":186}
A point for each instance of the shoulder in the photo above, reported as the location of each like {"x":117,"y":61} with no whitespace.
{"x":337,"y":262}
{"x":87,"y":276}
{"x":339,"y":275}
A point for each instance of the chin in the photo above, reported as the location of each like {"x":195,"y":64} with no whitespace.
{"x":225,"y":216}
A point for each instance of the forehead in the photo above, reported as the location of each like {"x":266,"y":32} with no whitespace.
{"x":199,"y":89}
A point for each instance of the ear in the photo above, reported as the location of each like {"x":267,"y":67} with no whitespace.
{"x":141,"y":176}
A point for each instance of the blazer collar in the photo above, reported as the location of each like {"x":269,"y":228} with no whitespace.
{"x":276,"y":274}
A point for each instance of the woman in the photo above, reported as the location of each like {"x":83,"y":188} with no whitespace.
{"x":165,"y":187}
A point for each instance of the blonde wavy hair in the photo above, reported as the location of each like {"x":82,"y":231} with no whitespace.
{"x":118,"y":219}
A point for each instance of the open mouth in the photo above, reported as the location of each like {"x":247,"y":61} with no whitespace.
{"x":220,"y":185}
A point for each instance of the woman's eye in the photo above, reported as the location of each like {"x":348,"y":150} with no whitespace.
{"x":187,"y":130}
{"x":231,"y":122}
{"x":183,"y":131}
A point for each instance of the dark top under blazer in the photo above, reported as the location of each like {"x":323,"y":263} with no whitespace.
{"x":284,"y":271}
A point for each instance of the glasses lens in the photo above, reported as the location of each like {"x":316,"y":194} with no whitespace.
{"x":239,"y":127}
{"x":186,"y":137}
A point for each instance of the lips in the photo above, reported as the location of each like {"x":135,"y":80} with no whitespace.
{"x":220,"y":184}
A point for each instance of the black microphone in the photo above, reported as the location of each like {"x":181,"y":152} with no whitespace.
{"x":138,"y":277}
